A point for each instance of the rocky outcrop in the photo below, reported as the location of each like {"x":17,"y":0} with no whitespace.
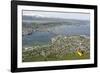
{"x":27,"y":29}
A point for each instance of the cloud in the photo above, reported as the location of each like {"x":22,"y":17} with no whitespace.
{"x":66,"y":15}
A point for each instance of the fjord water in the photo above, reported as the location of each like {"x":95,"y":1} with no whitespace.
{"x":44,"y":37}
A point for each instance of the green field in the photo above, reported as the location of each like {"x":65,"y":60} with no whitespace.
{"x":31,"y":58}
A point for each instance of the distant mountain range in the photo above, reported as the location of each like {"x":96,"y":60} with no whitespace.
{"x":43,"y":18}
{"x":41,"y":22}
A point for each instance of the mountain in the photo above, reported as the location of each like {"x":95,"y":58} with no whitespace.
{"x":43,"y":19}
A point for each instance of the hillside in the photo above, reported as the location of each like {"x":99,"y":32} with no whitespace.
{"x":34,"y":23}
{"x":60,"y":48}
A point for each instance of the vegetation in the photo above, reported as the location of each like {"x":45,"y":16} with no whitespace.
{"x":60,"y":48}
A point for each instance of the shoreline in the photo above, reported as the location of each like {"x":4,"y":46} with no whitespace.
{"x":65,"y":36}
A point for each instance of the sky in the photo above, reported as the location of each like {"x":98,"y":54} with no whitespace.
{"x":65,"y":15}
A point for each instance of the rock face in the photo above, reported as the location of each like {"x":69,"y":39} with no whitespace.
{"x":26,"y":29}
{"x":60,"y":48}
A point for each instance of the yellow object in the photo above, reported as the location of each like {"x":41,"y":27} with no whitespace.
{"x":79,"y":53}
